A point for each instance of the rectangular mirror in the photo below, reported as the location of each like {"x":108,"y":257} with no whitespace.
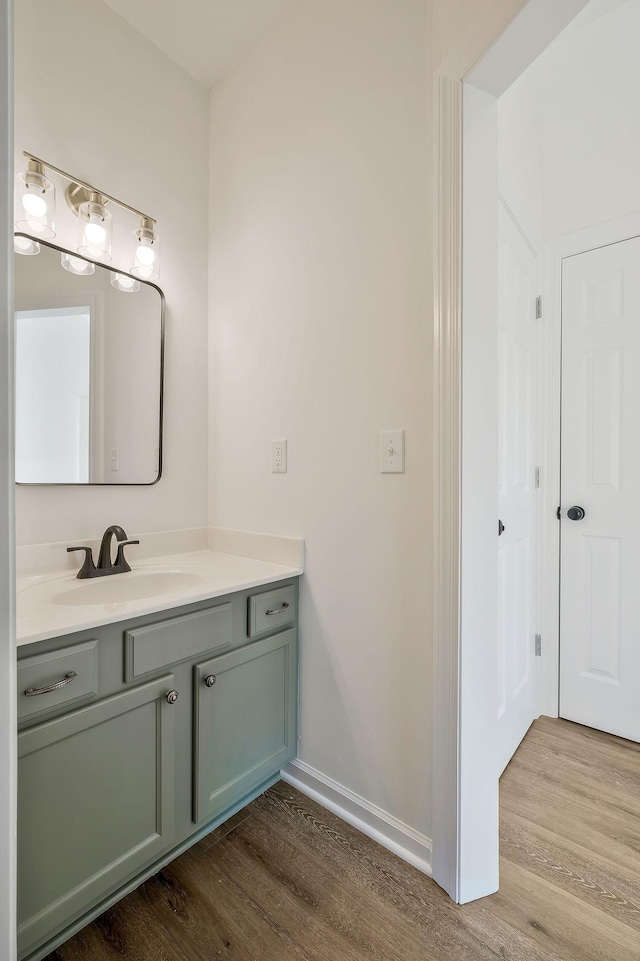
{"x":89,"y":371}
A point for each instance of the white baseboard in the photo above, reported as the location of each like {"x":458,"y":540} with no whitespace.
{"x":402,"y":840}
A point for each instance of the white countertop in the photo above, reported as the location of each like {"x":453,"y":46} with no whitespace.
{"x":53,"y":603}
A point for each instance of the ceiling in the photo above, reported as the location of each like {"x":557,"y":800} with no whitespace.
{"x":204,"y":36}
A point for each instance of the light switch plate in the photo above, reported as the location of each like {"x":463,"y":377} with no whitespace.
{"x":392,"y":452}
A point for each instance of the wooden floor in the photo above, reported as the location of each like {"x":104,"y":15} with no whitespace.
{"x":285,"y":880}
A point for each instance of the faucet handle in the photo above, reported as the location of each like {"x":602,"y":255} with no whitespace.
{"x":121,"y":565}
{"x":88,"y":566}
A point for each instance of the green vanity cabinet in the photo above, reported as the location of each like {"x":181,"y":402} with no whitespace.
{"x":244,"y":721}
{"x":139,"y":737}
{"x":96,"y":801}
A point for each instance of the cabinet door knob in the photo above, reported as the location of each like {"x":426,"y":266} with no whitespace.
{"x":210,"y":680}
{"x":172,"y":697}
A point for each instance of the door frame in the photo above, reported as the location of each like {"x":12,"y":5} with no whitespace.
{"x":554,"y":252}
{"x":465,"y":831}
{"x":8,"y":723}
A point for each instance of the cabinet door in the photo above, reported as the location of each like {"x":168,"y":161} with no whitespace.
{"x":245,"y":721}
{"x":95,"y":805}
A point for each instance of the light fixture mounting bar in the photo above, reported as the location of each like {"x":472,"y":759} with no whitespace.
{"x":87,"y":186}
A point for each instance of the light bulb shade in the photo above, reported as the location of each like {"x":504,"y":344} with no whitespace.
{"x":145,"y":261}
{"x":35,"y":203}
{"x":26,"y":246}
{"x":124,"y":283}
{"x":95,"y":231}
{"x":76,"y":265}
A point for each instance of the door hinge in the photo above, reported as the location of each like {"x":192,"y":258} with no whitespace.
{"x":559,"y":513}
{"x":538,"y":476}
{"x":538,"y":648}
{"x":538,"y":307}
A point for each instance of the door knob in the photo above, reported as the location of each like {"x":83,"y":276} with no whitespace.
{"x":501,"y":527}
{"x":575,"y":513}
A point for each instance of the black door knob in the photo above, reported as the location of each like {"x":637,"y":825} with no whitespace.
{"x":575,"y":513}
{"x":501,"y":528}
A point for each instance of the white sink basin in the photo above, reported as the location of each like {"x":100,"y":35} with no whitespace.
{"x":114,"y":589}
{"x":133,"y":586}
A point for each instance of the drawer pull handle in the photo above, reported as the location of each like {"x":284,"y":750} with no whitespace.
{"x":280,"y":610}
{"x":172,"y":697}
{"x":210,"y":680}
{"x":67,"y":679}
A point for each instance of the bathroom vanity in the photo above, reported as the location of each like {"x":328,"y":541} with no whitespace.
{"x":140,"y":734}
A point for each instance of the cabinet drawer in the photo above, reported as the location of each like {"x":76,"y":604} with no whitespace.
{"x":155,"y":646}
{"x":271,"y":610}
{"x":75,"y":669}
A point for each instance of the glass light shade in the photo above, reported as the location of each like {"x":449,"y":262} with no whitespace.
{"x":35,"y":203}
{"x":146,"y":252}
{"x":76,"y":265}
{"x":26,"y":246}
{"x":95,"y":230}
{"x":124,"y":283}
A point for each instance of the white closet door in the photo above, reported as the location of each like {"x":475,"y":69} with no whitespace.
{"x":517,"y":545}
{"x":600,"y":553}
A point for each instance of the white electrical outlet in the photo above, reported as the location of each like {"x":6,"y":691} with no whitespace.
{"x":392,"y":452}
{"x":279,"y":457}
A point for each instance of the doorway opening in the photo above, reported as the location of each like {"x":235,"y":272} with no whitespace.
{"x":534,"y":198}
{"x":567,"y":174}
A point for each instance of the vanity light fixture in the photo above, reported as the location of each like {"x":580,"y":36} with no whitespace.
{"x":26,"y":246}
{"x":35,"y":201}
{"x":128,"y":285}
{"x":77,"y":265}
{"x":146,"y":251}
{"x":95,"y":219}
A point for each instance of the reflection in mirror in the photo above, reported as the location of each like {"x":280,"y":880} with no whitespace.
{"x":53,"y":382}
{"x":89,"y":351}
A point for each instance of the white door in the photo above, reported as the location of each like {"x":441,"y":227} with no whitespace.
{"x":600,"y":553}
{"x":517,"y":347}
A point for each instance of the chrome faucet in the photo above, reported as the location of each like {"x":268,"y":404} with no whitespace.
{"x":105,"y":565}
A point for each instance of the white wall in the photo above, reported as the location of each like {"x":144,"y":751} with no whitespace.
{"x":579,"y":101}
{"x":591,"y":89}
{"x":141,"y":134}
{"x":520,"y":127}
{"x":453,"y":20}
{"x":321,"y":324}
